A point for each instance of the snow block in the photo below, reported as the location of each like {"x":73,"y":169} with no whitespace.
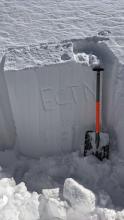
{"x":51,"y":193}
{"x":80,"y":198}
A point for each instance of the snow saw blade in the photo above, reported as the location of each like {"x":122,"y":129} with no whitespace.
{"x":90,"y":145}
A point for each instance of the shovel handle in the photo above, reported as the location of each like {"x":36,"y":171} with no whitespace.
{"x":98,"y":102}
{"x":98,"y":69}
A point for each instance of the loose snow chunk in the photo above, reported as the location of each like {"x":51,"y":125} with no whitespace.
{"x":120,"y":215}
{"x":3,"y":201}
{"x":107,"y":214}
{"x":51,"y":193}
{"x":79,"y":197}
{"x":7,"y":187}
{"x":104,"y":200}
{"x":104,"y":139}
{"x":52,"y":209}
{"x":88,"y":59}
{"x":16,"y":203}
{"x":82,"y":58}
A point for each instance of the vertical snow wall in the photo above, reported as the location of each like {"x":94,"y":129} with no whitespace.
{"x":54,"y":105}
{"x":7,"y":127}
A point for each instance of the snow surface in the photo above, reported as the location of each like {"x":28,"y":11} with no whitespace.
{"x":65,"y":36}
{"x":32,"y":22}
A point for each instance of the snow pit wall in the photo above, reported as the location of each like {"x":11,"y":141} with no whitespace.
{"x":54,"y":105}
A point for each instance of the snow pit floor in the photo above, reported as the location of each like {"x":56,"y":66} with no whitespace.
{"x":52,"y":187}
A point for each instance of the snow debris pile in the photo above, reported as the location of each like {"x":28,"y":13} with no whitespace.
{"x":68,"y":188}
{"x":16,"y":203}
{"x":51,"y":207}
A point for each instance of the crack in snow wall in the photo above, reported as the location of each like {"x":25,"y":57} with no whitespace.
{"x":54,"y":105}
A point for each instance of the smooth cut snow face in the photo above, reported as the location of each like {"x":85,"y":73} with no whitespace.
{"x":52,"y":107}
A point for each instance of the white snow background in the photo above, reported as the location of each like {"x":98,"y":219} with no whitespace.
{"x":60,"y":187}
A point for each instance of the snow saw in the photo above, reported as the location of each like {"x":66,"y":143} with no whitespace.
{"x":97,"y":143}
